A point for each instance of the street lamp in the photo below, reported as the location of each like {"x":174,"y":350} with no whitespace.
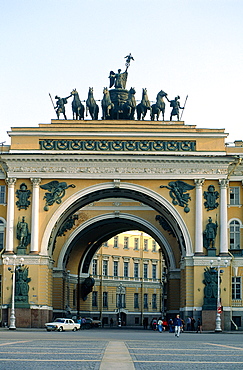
{"x":120,"y":304}
{"x":14,"y":263}
{"x":218,"y":317}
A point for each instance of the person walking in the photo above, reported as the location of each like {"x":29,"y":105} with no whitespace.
{"x":178,"y":325}
{"x":199,"y":325}
{"x":160,"y":325}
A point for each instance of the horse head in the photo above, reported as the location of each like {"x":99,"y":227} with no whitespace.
{"x":74,"y":92}
{"x":161,"y":94}
{"x":132,"y":91}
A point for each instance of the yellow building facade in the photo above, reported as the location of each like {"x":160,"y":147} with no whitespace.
{"x":70,"y":186}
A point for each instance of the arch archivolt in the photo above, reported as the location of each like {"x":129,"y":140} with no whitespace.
{"x":164,"y":243}
{"x":70,"y":206}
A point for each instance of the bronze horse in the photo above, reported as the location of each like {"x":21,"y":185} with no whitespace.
{"x":144,"y":106}
{"x":91,"y":105}
{"x":130,"y":105}
{"x":159,"y":106}
{"x":106,"y":104}
{"x":77,"y":106}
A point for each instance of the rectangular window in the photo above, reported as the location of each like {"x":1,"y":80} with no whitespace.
{"x":105,"y":244}
{"x":126,"y":242}
{"x":145,"y":300}
{"x":105,"y":268}
{"x":136,"y":270}
{"x":234,"y":195}
{"x":0,"y":286}
{"x":115,"y":242}
{"x":94,"y":267}
{"x":145,"y":244}
{"x":145,"y":271}
{"x":94,"y":298}
{"x":105,"y":299}
{"x":136,"y":243}
{"x":1,"y":239}
{"x":236,"y":287}
{"x":234,"y":235}
{"x":115,"y":272}
{"x":2,"y":194}
{"x":136,"y":305}
{"x":154,"y":301}
{"x":154,"y":271}
{"x":121,"y":301}
{"x":153,"y":246}
{"x":125,"y":269}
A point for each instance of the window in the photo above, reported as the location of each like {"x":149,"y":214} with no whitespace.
{"x":105,"y":299}
{"x":234,"y":195}
{"x":145,"y":244}
{"x":154,"y":271}
{"x":2,"y":194}
{"x":126,"y":239}
{"x":153,"y":246}
{"x":145,"y":271}
{"x":136,"y":270}
{"x":115,"y":272}
{"x":234,"y":235}
{"x":94,"y":298}
{"x":121,"y":300}
{"x":94,"y":267}
{"x":145,"y":300}
{"x":136,"y":305}
{"x":236,"y":287}
{"x":105,"y":244}
{"x":125,"y":269}
{"x":2,"y":231}
{"x":105,"y":268}
{"x":154,"y":301}
{"x":136,"y":243}
{"x":115,"y":242}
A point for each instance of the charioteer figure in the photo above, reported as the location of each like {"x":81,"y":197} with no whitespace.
{"x":60,"y":106}
{"x":175,"y":104}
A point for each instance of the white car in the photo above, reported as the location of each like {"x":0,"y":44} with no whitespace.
{"x":62,"y":324}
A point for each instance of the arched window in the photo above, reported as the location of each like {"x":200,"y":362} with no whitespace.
{"x":234,"y":235}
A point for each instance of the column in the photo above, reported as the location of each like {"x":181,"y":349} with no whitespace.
{"x":34,"y":247}
{"x":223,"y":218}
{"x":198,"y":217}
{"x":10,"y":216}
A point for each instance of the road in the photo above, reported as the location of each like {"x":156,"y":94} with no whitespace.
{"x":119,"y":349}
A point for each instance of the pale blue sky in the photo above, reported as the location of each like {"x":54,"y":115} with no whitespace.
{"x":184,"y":47}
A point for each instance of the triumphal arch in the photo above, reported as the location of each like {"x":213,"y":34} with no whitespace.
{"x":69,"y":186}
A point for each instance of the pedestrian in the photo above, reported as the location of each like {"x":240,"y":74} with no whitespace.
{"x":192,"y":324}
{"x":154,"y":324}
{"x":188,"y":324}
{"x":199,"y":325}
{"x":170,"y":326}
{"x":178,"y":325}
{"x":111,"y":322}
{"x":160,"y":325}
{"x":145,"y":323}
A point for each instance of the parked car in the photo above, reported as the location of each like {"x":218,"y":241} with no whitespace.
{"x":88,"y":323}
{"x":61,"y":324}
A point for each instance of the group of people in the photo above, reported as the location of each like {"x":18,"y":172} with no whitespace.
{"x":176,"y":325}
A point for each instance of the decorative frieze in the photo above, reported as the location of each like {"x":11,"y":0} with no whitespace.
{"x":118,"y":145}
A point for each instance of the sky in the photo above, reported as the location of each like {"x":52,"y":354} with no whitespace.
{"x":184,"y":47}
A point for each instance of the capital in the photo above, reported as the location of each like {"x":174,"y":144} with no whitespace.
{"x":199,"y":183}
{"x":10,"y":181}
{"x":224,"y":183}
{"x":35,"y":181}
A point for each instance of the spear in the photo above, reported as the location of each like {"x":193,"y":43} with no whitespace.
{"x":53,"y":103}
{"x":184,"y":107}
